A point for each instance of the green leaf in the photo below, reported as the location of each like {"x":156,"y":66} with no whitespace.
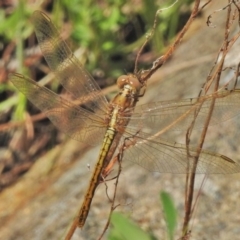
{"x":124,"y":229}
{"x":170,"y":213}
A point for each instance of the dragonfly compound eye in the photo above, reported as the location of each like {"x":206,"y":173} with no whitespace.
{"x":134,"y":82}
{"x":122,"y":80}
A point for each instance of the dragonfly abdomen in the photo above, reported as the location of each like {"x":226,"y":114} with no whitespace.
{"x":96,"y":176}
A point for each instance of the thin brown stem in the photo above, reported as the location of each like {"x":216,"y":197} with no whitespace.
{"x":71,"y":230}
{"x":190,"y":181}
{"x":161,"y":60}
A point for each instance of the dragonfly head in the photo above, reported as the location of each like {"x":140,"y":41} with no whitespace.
{"x":130,"y":80}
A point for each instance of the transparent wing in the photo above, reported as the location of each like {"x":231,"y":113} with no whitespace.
{"x":65,"y":65}
{"x":159,"y":115}
{"x":158,"y":155}
{"x":71,"y":119}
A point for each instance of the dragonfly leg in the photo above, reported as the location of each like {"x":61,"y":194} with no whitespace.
{"x":108,"y":168}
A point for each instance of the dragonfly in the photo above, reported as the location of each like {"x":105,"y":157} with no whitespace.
{"x":96,"y":120}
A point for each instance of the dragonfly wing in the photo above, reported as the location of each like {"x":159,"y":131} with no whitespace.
{"x":158,"y":155}
{"x":65,"y":65}
{"x":178,"y":115}
{"x":71,"y":119}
